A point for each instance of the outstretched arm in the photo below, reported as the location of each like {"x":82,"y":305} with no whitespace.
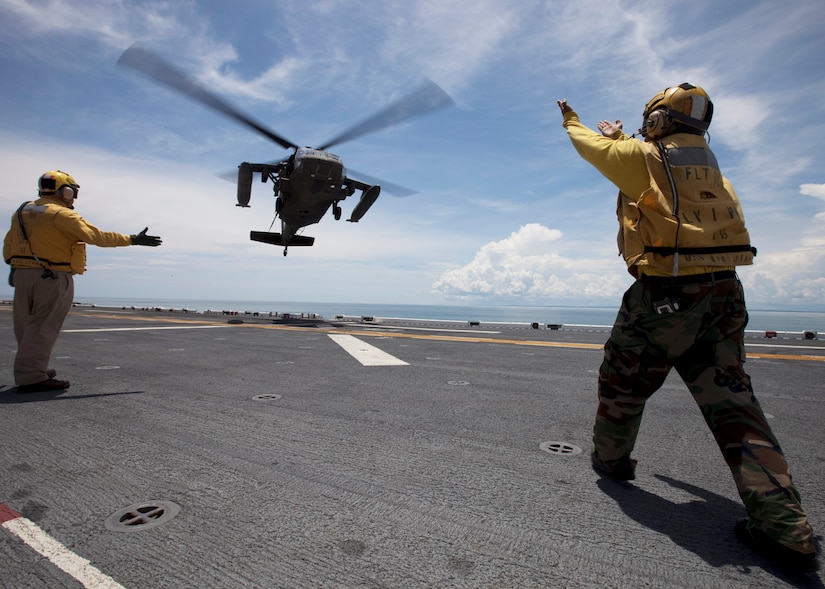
{"x":621,"y":162}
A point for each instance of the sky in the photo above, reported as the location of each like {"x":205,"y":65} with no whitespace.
{"x":505,"y":211}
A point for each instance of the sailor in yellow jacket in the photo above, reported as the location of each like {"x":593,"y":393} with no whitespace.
{"x":45,"y":247}
{"x":682,"y":233}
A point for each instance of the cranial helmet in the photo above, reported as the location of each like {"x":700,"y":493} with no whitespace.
{"x":58,"y":183}
{"x":684,"y":104}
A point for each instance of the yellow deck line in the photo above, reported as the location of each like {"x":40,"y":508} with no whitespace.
{"x":434,"y":337}
{"x":373,"y":332}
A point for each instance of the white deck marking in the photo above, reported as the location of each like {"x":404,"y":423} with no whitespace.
{"x":60,"y":556}
{"x":366,"y":354}
{"x":142,"y":328}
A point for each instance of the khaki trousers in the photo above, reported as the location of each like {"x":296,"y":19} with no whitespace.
{"x":40,"y":307}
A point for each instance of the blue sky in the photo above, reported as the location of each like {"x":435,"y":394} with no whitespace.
{"x":505,"y":210}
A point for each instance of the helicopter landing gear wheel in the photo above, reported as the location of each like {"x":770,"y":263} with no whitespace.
{"x":336,"y":212}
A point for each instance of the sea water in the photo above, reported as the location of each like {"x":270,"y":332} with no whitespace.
{"x":760,"y":320}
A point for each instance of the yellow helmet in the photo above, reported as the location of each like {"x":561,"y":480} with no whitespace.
{"x":685,"y":104}
{"x":57,"y":182}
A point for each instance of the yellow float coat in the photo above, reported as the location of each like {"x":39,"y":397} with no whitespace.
{"x":705,"y":224}
{"x":57,"y":237}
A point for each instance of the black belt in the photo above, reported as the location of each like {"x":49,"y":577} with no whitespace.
{"x":690,"y":278}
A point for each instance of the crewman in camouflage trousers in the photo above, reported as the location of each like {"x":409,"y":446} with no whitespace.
{"x":682,"y":233}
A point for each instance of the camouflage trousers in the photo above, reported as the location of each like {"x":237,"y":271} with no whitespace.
{"x":704,"y":341}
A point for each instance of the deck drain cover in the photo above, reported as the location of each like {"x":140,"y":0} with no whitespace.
{"x":142,"y":516}
{"x":562,"y":448}
{"x":269,"y":397}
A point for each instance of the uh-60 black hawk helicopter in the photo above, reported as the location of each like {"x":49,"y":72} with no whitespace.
{"x":309,"y":181}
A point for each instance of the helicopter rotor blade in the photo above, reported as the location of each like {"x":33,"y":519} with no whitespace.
{"x":393,"y":189}
{"x":232,"y":175}
{"x":147,"y":63}
{"x":426,"y":98}
{"x":388,"y":187}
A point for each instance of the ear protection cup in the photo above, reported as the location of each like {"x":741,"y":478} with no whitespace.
{"x":67,"y":192}
{"x":657,"y":123}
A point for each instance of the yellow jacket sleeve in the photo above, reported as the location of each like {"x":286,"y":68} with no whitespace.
{"x":72,"y":224}
{"x":620,"y":160}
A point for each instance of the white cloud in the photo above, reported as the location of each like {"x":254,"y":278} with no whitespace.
{"x":815,"y":190}
{"x":788,"y":278}
{"x":500,"y":205}
{"x":499,"y":160}
{"x":530,"y":265}
{"x":206,"y":251}
{"x":112,"y":23}
{"x":741,"y":125}
{"x":450,"y":39}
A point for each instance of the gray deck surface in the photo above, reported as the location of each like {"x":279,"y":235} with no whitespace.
{"x":294,"y":465}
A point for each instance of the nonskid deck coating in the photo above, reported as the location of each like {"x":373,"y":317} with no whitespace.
{"x":376,"y":476}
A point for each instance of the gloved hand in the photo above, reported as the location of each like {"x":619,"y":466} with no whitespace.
{"x":143,"y":239}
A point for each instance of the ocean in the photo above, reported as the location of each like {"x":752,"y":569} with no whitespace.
{"x":760,"y":320}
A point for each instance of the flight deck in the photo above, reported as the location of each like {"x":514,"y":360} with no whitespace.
{"x":197,"y":450}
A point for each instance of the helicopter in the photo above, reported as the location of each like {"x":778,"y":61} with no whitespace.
{"x":310,"y":181}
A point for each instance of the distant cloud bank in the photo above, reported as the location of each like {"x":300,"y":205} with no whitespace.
{"x":529,"y":266}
